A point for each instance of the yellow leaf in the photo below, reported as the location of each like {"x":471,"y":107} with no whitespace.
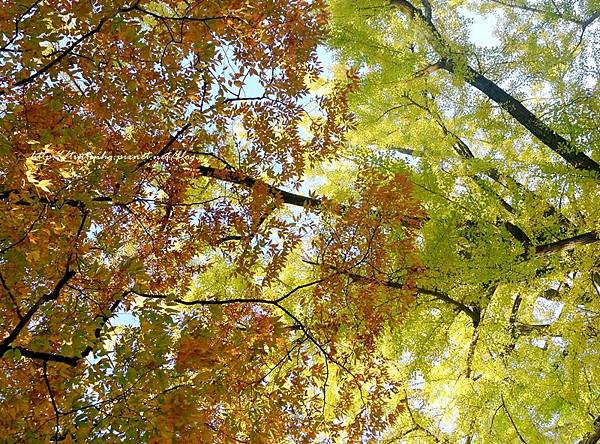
{"x":43,"y":184}
{"x":30,"y":165}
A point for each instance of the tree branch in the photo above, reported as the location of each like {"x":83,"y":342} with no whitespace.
{"x":165,"y":148}
{"x":594,"y":436}
{"x":249,"y":182}
{"x":42,"y":356}
{"x":18,"y":21}
{"x":512,"y":421}
{"x":186,"y":18}
{"x":69,"y":360}
{"x":58,"y":59}
{"x":52,"y":400}
{"x":35,"y":307}
{"x":568,"y":244}
{"x":273,"y":302}
{"x":69,"y":49}
{"x":473,"y":313}
{"x":451,"y":61}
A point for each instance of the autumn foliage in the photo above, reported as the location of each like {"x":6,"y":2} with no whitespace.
{"x":251,"y":310}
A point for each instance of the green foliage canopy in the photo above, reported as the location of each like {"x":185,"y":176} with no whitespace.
{"x":499,"y":136}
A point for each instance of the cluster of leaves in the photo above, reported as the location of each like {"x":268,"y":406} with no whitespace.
{"x":500,"y":138}
{"x":161,"y":281}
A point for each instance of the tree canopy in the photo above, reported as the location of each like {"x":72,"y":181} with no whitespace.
{"x":208,"y":236}
{"x":499,"y":138}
